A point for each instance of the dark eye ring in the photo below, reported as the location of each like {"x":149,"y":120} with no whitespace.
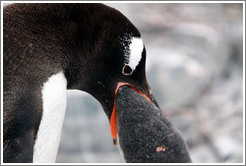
{"x":127,"y":70}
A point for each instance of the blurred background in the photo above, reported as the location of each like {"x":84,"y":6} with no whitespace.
{"x":195,"y":70}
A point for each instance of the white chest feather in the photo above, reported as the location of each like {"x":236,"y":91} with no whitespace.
{"x":54,"y":105}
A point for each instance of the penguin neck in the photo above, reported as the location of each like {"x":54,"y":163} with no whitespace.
{"x":54,"y":100}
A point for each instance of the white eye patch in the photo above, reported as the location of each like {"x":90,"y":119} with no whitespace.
{"x":133,"y":54}
{"x":136,"y":49}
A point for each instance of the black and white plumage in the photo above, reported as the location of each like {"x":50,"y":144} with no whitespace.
{"x":49,"y":48}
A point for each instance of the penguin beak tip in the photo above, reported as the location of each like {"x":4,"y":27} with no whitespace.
{"x":114,"y":142}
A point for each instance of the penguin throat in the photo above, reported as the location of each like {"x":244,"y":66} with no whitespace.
{"x":113,"y":118}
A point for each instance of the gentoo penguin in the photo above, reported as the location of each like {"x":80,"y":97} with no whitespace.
{"x":49,"y":48}
{"x":145,"y":134}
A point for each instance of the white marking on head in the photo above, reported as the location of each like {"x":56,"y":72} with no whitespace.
{"x":133,"y":52}
{"x":136,"y":49}
{"x":54,"y":98}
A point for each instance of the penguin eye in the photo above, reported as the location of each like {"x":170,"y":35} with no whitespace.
{"x":127,"y":70}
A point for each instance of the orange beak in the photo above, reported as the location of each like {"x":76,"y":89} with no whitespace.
{"x":113,"y":119}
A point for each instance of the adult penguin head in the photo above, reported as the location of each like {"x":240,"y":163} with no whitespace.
{"x":124,"y":64}
{"x":113,"y":53}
